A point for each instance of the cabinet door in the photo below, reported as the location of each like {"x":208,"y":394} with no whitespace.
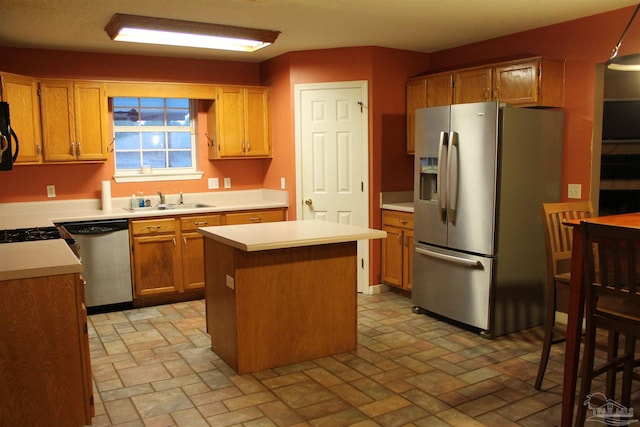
{"x":58,"y":129}
{"x":517,"y":83}
{"x":192,"y":260}
{"x":407,"y":265}
{"x":440,"y":90}
{"x":473,"y":85}
{"x":392,"y":249}
{"x":21,"y":93}
{"x":257,"y":122}
{"x":416,"y":98}
{"x":156,"y":265}
{"x":230,"y":126}
{"x":91,"y":121}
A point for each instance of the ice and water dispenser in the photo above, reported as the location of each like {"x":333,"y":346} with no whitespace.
{"x":428,"y":179}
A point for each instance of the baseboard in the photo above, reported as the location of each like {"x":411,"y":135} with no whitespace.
{"x":377,"y":289}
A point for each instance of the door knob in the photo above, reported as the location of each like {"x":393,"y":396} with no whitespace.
{"x":308,"y":202}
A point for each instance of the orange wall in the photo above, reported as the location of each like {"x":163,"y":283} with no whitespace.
{"x":583,"y":43}
{"x":73,"y":181}
{"x":386,"y":71}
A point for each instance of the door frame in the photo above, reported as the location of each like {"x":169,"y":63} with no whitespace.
{"x":363,"y":85}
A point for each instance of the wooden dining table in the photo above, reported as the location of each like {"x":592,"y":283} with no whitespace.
{"x":576,"y":308}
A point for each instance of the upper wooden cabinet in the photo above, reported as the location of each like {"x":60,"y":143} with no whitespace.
{"x":239,"y":123}
{"x":75,"y":120}
{"x":532,"y":82}
{"x":21,"y":92}
{"x":529,"y":82}
{"x":472,"y":85}
{"x":426,"y":91}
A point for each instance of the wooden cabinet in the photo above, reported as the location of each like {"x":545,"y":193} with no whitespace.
{"x":397,"y":249}
{"x":75,"y":121}
{"x":528,"y":83}
{"x":255,"y":216}
{"x":167,"y":253}
{"x":155,"y":256}
{"x":416,"y":98}
{"x":193,"y":248}
{"x":472,"y":85}
{"x":534,"y":82}
{"x":44,"y":357}
{"x":239,"y":123}
{"x":21,"y":92}
{"x":426,"y":91}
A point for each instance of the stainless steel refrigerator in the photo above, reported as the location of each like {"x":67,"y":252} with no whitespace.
{"x":482,"y":171}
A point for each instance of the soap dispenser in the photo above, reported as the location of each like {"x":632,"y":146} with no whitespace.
{"x":134,"y":201}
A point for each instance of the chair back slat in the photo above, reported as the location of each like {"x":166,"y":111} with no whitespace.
{"x":558,"y":236}
{"x":612,"y":261}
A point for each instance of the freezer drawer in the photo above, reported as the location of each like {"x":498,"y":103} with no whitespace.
{"x":454,"y":285}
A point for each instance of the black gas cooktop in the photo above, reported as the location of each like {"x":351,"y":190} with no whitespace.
{"x":29,"y":234}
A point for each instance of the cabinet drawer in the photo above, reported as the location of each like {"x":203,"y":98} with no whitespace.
{"x":193,"y":222}
{"x":254,"y":216}
{"x":397,"y":219}
{"x":153,"y":226}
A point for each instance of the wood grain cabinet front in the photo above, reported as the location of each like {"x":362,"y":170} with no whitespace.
{"x":255,"y":216}
{"x":44,"y":353}
{"x":75,"y":121}
{"x":239,"y":123}
{"x":397,"y":249}
{"x":193,"y":248}
{"x":21,"y":92}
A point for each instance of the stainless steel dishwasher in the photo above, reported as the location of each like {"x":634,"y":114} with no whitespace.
{"x":104,"y":253}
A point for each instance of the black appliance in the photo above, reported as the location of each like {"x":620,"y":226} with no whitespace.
{"x":7,"y":155}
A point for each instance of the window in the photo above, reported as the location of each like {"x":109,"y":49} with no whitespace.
{"x":154,"y":138}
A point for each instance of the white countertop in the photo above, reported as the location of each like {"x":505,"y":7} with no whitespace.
{"x":44,"y":214}
{"x":288,"y":234}
{"x":399,"y":206}
{"x":36,"y":259}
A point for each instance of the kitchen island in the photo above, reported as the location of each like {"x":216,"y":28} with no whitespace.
{"x":283,"y":292}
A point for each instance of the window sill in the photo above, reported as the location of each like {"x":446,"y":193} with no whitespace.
{"x":158,"y":176}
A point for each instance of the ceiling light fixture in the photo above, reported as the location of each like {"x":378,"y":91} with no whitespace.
{"x":144,"y":29}
{"x":627,"y":62}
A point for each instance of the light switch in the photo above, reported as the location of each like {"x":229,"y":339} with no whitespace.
{"x":230,"y":282}
{"x":214,"y":183}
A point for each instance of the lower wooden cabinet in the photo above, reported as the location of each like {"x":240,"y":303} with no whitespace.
{"x":397,"y":249}
{"x":44,"y":353}
{"x":167,"y":253}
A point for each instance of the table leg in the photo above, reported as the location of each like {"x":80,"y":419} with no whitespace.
{"x":574,"y":329}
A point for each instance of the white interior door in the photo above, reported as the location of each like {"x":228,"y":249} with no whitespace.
{"x":332,"y":157}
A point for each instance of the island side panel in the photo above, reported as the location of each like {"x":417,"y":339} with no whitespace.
{"x":295,"y":304}
{"x":220,"y":301}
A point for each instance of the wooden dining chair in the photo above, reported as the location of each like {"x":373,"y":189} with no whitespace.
{"x":612,"y":302}
{"x":558,"y":241}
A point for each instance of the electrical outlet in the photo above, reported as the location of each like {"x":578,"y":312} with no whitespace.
{"x":214,"y":183}
{"x":282,"y":183}
{"x":227,"y":183}
{"x":51,"y":191}
{"x":574,"y":191}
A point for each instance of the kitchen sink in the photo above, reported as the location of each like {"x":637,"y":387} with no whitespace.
{"x":164,"y":207}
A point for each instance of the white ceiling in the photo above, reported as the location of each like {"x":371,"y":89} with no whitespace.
{"x":418,"y":25}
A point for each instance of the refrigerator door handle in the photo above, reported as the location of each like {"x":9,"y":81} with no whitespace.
{"x":450,"y":258}
{"x":451,"y":204}
{"x":443,"y":143}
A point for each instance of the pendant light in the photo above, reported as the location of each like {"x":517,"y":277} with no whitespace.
{"x":626,"y":62}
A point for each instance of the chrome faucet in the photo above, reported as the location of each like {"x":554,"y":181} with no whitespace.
{"x":161,"y":197}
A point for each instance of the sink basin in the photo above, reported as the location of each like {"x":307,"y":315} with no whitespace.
{"x":170,"y":207}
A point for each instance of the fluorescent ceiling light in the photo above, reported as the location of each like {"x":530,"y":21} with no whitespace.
{"x":627,"y":62}
{"x":143,"y":29}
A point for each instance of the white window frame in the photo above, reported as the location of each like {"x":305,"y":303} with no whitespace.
{"x":165,"y":174}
